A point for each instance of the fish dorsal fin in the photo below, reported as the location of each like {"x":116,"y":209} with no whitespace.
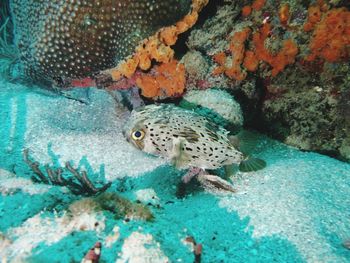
{"x":179,"y":157}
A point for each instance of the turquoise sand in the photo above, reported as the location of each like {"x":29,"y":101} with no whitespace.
{"x":294,"y":210}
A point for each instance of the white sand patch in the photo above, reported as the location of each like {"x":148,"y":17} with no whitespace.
{"x":291,"y":196}
{"x":9,"y":184}
{"x":147,"y":196}
{"x":76,"y":131}
{"x":141,"y":248}
{"x":49,"y":230}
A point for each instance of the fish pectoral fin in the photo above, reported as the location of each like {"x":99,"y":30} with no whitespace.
{"x":215,"y":184}
{"x":230,"y":170}
{"x":244,"y":141}
{"x":252,"y":164}
{"x":179,"y":157}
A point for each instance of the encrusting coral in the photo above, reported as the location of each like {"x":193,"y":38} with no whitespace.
{"x":331,"y":36}
{"x":277,"y":61}
{"x":165,"y":80}
{"x":237,"y":50}
{"x":158,"y":46}
{"x":251,"y":58}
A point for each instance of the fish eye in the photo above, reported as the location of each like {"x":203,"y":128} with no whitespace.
{"x":138,"y":135}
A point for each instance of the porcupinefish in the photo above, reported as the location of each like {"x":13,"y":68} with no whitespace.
{"x":187,"y":139}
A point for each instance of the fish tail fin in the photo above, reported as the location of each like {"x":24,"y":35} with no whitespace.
{"x":252,"y":164}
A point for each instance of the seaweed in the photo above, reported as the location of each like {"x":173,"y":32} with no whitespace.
{"x":83,"y":186}
{"x":122,"y":207}
{"x":117,"y":205}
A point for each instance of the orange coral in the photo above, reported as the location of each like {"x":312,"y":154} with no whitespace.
{"x":157,"y":47}
{"x":279,"y":61}
{"x":168,"y":79}
{"x":250,"y":58}
{"x":250,"y":62}
{"x":237,"y":50}
{"x":258,"y":4}
{"x":283,"y":14}
{"x":314,"y":16}
{"x":246,"y":10}
{"x":331,"y":37}
{"x":284,"y":57}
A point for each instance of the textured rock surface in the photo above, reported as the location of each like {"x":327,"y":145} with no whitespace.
{"x":306,"y":104}
{"x":60,"y":39}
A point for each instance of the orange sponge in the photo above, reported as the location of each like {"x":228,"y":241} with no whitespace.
{"x":237,"y":49}
{"x":166,"y":80}
{"x":157,"y":47}
{"x":331,"y":37}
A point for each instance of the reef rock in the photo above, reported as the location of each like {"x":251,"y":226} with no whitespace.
{"x":289,"y":80}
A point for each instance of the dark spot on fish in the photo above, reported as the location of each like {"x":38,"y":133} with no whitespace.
{"x":188,"y":149}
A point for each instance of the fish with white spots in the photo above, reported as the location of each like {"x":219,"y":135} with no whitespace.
{"x":187,"y":139}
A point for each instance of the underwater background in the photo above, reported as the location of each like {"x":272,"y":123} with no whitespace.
{"x":73,"y":187}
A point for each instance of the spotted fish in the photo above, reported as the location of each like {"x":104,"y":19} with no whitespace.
{"x":186,"y":138}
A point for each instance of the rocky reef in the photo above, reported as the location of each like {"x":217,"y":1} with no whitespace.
{"x":286,"y":63}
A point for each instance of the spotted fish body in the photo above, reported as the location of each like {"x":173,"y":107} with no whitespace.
{"x":185,"y":137}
